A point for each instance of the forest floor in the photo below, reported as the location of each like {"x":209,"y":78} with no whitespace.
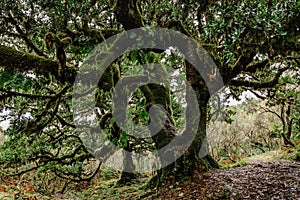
{"x":263,"y":176}
{"x":263,"y":180}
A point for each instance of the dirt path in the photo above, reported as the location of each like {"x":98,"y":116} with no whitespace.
{"x":264,"y":180}
{"x":262,"y":158}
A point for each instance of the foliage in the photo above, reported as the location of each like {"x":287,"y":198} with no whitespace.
{"x":250,"y":132}
{"x":253,"y":44}
{"x":285,"y":97}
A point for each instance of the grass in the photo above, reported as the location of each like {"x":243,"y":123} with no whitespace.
{"x":237,"y":164}
{"x":285,"y":154}
{"x":107,"y":190}
{"x":264,"y":157}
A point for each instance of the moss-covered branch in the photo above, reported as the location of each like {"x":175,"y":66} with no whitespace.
{"x":101,"y":35}
{"x":21,"y":61}
{"x":259,"y":85}
{"x":24,"y":36}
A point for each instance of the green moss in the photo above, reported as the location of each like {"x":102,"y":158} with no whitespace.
{"x":109,"y":78}
{"x":22,"y":61}
{"x":206,"y":165}
{"x":237,"y":164}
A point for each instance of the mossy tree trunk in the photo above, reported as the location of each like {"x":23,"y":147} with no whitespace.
{"x":129,"y":16}
{"x":196,"y":157}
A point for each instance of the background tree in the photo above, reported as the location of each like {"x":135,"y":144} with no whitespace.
{"x":283,"y":102}
{"x":250,"y":131}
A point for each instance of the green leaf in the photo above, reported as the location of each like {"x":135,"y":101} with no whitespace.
{"x":124,"y":139}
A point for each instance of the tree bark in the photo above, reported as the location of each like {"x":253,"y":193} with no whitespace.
{"x":20,"y":61}
{"x":128,"y":15}
{"x":192,"y":160}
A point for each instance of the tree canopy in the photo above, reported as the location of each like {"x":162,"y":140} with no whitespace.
{"x":43,"y":43}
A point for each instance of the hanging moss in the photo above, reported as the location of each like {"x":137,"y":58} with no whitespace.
{"x":109,"y":78}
